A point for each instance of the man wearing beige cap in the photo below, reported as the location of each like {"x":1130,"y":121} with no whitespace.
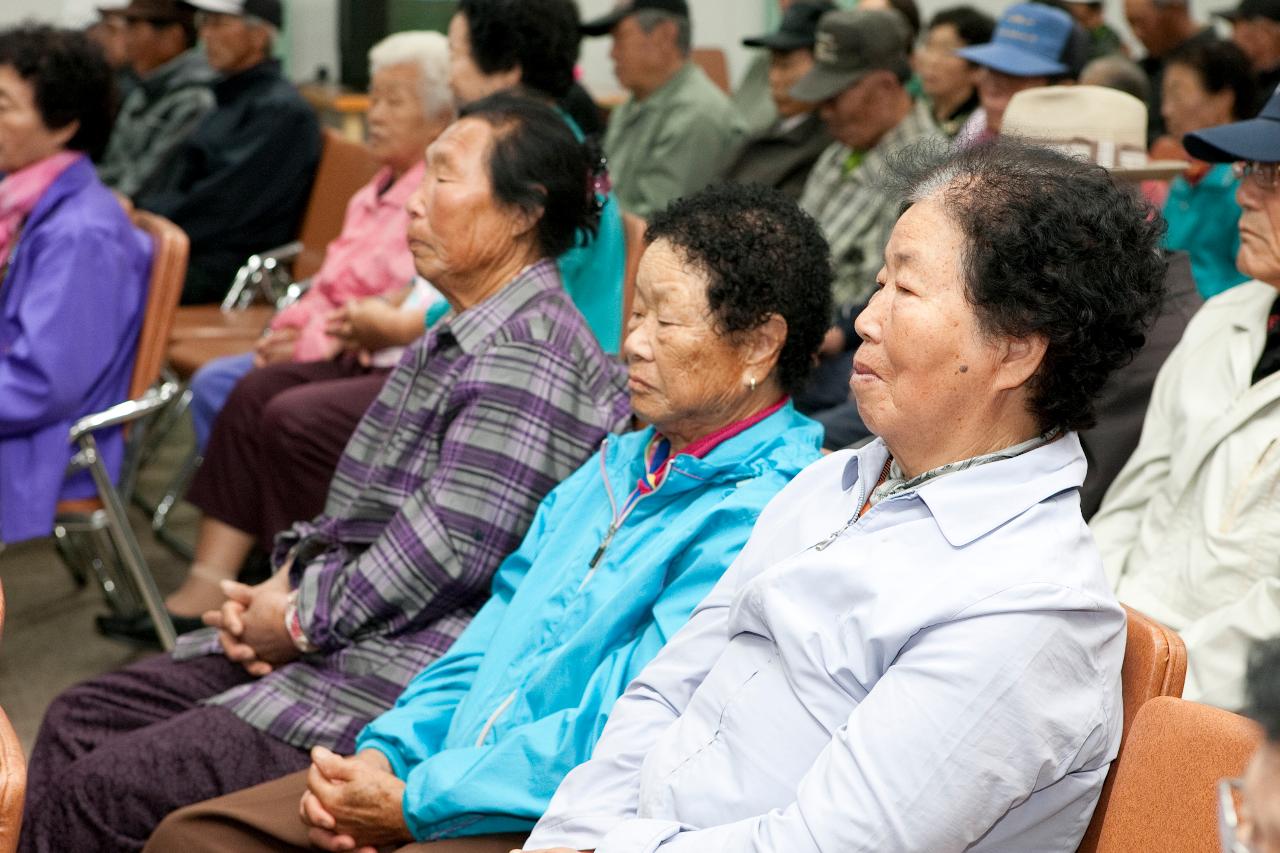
{"x":859,"y":77}
{"x":174,"y":93}
{"x":1109,"y":127}
{"x":677,"y":130}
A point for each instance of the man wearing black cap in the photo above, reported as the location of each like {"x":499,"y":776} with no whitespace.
{"x":174,"y":94}
{"x":859,"y":77}
{"x":240,"y":182}
{"x":674,"y":133}
{"x":1190,"y":530}
{"x":1255,"y":27}
{"x":783,"y":153}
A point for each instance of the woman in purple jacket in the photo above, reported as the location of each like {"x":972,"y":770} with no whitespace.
{"x":73,"y":272}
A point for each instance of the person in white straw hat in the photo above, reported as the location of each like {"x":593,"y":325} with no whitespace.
{"x":1104,"y":126}
{"x":1109,"y":128}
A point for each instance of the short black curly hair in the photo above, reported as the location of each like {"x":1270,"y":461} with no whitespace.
{"x":1262,"y":686}
{"x":540,"y":36}
{"x":762,"y":255}
{"x":539,"y":166}
{"x":1055,"y":247}
{"x":69,"y":77}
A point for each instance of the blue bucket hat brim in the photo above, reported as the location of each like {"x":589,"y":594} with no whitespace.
{"x":1011,"y":60}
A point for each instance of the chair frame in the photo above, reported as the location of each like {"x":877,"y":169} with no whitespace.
{"x":106,"y":519}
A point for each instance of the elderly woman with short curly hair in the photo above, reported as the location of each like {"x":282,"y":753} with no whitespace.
{"x":917,"y":648}
{"x":732,"y":296}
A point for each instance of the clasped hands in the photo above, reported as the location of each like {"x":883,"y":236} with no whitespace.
{"x":251,"y":625}
{"x":355,"y":804}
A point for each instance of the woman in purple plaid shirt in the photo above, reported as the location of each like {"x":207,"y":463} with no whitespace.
{"x":501,"y":400}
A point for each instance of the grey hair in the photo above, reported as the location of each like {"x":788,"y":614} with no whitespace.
{"x":1117,"y":72}
{"x":273,"y":32}
{"x":648,"y":19}
{"x":429,"y":51}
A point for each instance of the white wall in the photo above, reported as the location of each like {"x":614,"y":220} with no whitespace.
{"x":313,"y":26}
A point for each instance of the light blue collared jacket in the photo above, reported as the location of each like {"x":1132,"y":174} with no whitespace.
{"x":485,"y":734}
{"x":941,"y":674}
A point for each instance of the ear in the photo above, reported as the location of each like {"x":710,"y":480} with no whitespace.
{"x":762,"y":346}
{"x":504,"y":80}
{"x":523,"y":221}
{"x":63,"y":135}
{"x":1022,"y":358}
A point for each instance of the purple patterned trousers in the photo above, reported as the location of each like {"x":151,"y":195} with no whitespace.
{"x":117,"y":753}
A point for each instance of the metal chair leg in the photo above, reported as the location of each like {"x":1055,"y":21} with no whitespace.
{"x":126,"y":543}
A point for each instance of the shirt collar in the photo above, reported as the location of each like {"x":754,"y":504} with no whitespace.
{"x":967,"y":505}
{"x":474,"y":326}
{"x":397,"y":195}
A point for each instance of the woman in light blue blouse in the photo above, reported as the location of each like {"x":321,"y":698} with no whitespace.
{"x":1206,"y":84}
{"x":917,"y":649}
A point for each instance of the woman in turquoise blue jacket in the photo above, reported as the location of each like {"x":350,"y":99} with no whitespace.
{"x":1206,"y":84}
{"x":732,"y":298}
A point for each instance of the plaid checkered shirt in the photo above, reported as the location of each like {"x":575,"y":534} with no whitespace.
{"x":854,"y":209}
{"x":482,"y":417}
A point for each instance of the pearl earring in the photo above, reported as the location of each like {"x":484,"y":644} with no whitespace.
{"x":751,"y":381}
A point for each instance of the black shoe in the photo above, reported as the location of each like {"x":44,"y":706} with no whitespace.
{"x":138,"y":628}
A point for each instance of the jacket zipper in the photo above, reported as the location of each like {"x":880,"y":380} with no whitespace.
{"x":493,"y":718}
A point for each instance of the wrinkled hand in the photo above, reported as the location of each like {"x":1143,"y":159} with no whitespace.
{"x":275,"y":346}
{"x":373,"y":323}
{"x":251,"y":625}
{"x":353,"y":803}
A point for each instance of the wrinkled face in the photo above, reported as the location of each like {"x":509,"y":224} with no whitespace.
{"x":923,"y":362}
{"x":634,"y":52}
{"x":399,"y":127}
{"x":1187,"y":105}
{"x":149,"y":46}
{"x":24,"y":139}
{"x":1144,"y":21}
{"x":1259,"y":38}
{"x":996,"y":88}
{"x":1259,"y":254}
{"x":682,"y":371}
{"x":230,"y":44}
{"x":457,"y":229}
{"x":848,"y":114}
{"x":943,"y":75}
{"x":786,"y":67}
{"x":109,"y":34}
{"x":466,"y":79}
{"x":1260,"y":809}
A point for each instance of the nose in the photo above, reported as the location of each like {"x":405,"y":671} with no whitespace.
{"x":869,"y":324}
{"x":416,"y":206}
{"x":635,"y":344}
{"x":1248,"y":194}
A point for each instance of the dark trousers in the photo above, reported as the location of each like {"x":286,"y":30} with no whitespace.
{"x":277,"y":441}
{"x":119,"y":752}
{"x":265,"y":818}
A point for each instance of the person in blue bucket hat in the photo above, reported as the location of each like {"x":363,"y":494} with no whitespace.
{"x":1034,"y":45}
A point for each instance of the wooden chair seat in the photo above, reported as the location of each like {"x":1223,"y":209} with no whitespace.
{"x":210,"y":321}
{"x":186,"y":357}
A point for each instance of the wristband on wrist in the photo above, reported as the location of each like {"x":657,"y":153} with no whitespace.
{"x":293,"y":625}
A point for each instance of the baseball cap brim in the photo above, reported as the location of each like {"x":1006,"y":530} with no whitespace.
{"x":1010,"y":60}
{"x":1255,"y":139}
{"x":604,"y":25}
{"x":822,"y":84}
{"x":222,"y":6}
{"x":779,"y":41}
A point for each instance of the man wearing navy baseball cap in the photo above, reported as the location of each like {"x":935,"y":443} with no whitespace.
{"x":676,"y":131}
{"x":858,"y":78}
{"x":1033,"y":46}
{"x":240,"y":182}
{"x":1189,"y":529}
